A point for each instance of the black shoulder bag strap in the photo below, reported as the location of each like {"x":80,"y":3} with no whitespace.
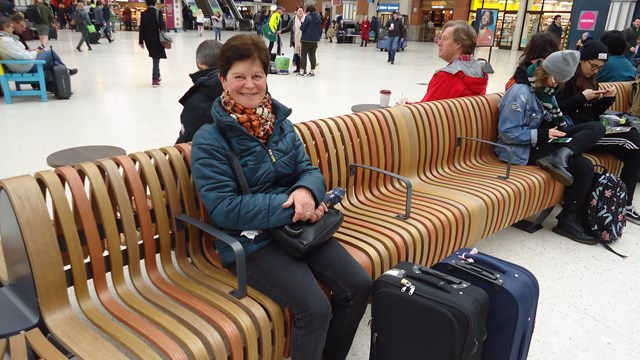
{"x":237,"y":169}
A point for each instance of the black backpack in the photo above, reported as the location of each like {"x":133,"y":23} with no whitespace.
{"x":33,"y":14}
{"x":606,"y":208}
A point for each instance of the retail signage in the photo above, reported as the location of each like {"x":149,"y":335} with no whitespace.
{"x":388,"y":7}
{"x":485,"y":25}
{"x":337,"y":2}
{"x":587,"y":20}
{"x":171,"y":21}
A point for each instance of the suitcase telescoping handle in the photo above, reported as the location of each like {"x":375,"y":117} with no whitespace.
{"x":436,"y":279}
{"x":477,"y":270}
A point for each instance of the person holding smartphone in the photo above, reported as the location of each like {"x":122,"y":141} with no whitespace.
{"x":582,"y":100}
{"x":529,"y":118}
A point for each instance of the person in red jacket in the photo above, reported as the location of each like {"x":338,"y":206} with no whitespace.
{"x":463,"y":76}
{"x":364,"y":31}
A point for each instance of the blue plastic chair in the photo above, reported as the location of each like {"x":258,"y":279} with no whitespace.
{"x":22,"y":78}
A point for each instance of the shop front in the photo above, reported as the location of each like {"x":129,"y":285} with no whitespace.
{"x":435,"y":13}
{"x":540,"y":14}
{"x":518,"y":20}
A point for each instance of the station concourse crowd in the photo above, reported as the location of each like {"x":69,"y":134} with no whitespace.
{"x":587,"y":295}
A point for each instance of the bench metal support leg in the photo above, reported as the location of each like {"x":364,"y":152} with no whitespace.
{"x":535,"y":225}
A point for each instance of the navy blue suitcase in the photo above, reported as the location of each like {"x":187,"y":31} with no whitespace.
{"x":513,"y":292}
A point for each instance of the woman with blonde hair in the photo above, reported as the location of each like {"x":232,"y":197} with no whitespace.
{"x":200,"y":21}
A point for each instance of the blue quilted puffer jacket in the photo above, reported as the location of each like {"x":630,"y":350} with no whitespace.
{"x":273,"y":170}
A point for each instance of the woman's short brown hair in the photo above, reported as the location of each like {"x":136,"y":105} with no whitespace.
{"x":463,"y":34}
{"x":243,"y":47}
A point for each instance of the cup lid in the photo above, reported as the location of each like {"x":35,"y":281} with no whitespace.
{"x":386,"y":92}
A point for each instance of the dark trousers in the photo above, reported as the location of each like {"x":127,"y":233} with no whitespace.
{"x":279,"y":48}
{"x":584,"y":137}
{"x":155,"y":70}
{"x":630,"y":159}
{"x":308,"y":48}
{"x":84,"y":38}
{"x":322,"y":328}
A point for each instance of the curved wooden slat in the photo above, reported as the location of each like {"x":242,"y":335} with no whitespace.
{"x":198,"y":258}
{"x":226,"y":319}
{"x":135,"y":322}
{"x":47,"y":268}
{"x":143,"y":214}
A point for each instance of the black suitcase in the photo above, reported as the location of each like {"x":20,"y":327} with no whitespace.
{"x":53,"y":33}
{"x":94,"y":37}
{"x":60,"y":81}
{"x":420,"y":313}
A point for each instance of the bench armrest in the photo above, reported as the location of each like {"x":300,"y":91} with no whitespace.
{"x":407,"y":182}
{"x":509,"y":151}
{"x":19,"y":62}
{"x":236,"y":246}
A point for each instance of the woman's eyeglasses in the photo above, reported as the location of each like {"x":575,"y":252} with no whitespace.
{"x":594,"y":67}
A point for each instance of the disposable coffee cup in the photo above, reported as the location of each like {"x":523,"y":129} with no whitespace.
{"x":385,"y":96}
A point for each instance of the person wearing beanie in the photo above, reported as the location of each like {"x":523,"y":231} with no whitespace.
{"x":583,"y":101}
{"x":529,"y":119}
{"x":617,"y":67}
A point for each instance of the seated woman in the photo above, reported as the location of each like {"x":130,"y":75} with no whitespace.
{"x":582,"y":100}
{"x":529,"y":119}
{"x":12,"y":49}
{"x":285,"y":188}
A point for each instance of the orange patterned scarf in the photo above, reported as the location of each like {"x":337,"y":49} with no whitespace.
{"x":258,"y":122}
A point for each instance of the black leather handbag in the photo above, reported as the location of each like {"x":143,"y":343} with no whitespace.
{"x":300,"y":238}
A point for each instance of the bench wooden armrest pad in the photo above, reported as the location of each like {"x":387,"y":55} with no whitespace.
{"x":509,"y":151}
{"x":406,"y":181}
{"x":236,"y":246}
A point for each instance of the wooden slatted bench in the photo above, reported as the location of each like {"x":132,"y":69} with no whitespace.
{"x":110,"y":262}
{"x":118,"y":275}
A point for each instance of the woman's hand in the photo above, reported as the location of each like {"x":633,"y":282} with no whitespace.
{"x":610,"y":92}
{"x":554,"y":133}
{"x":319,"y":212}
{"x":591,"y":94}
{"x":304,"y":205}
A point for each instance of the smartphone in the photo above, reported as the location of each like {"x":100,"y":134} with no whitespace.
{"x":562,"y":140}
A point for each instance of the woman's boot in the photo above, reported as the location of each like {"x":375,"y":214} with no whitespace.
{"x":556,"y":163}
{"x":570,"y":225}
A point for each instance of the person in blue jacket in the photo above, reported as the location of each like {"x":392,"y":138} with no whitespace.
{"x":617,"y":67}
{"x":311,"y":31}
{"x":529,"y":118}
{"x":284,"y":188}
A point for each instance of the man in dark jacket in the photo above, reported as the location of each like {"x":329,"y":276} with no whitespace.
{"x":631,"y":35}
{"x":197,"y":101}
{"x":311,"y":31}
{"x":394,"y":24}
{"x":556,"y":27}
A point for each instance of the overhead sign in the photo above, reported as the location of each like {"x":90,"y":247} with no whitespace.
{"x":587,"y":20}
{"x":388,"y":7}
